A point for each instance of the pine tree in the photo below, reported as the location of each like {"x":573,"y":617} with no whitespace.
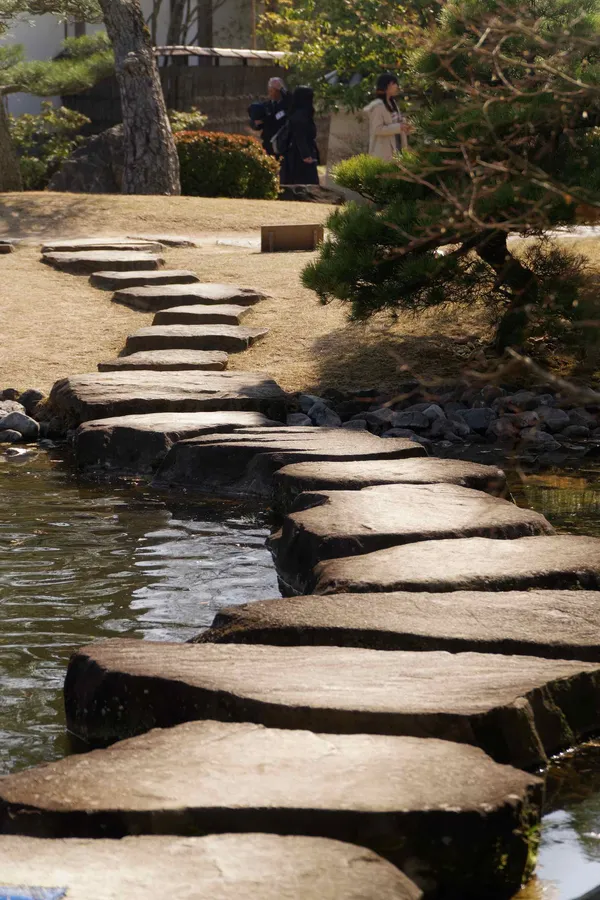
{"x":506,"y":141}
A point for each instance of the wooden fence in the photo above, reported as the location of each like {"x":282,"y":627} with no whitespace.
{"x":223,"y":93}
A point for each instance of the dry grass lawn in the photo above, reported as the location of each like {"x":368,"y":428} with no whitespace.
{"x":55,"y":324}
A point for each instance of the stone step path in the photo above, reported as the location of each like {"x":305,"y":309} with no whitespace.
{"x":138,"y":443}
{"x":116,"y":245}
{"x":168,"y":361}
{"x":168,"y":240}
{"x":519,"y":709}
{"x":228,"y":338}
{"x":114,"y":280}
{"x":292,"y":480}
{"x":467,"y":833}
{"x":225,"y":314}
{"x":93,"y":261}
{"x":103,"y":395}
{"x":471,"y":564}
{"x":332,"y":524}
{"x":216,"y":867}
{"x":550,"y":624}
{"x":244,"y":464}
{"x":155,"y":297}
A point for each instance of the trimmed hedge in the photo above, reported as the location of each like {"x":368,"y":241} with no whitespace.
{"x":225,"y":165}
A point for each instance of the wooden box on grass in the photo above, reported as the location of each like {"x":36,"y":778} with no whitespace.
{"x":285,"y":238}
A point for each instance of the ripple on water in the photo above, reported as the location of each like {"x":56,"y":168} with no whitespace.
{"x":80,"y":562}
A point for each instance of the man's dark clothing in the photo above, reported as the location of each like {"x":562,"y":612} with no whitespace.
{"x":275,"y":113}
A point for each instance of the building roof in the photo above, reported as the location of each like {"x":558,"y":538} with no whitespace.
{"x":231,"y":53}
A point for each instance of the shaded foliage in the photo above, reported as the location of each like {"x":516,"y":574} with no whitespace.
{"x":506,"y":141}
{"x":225,"y":165}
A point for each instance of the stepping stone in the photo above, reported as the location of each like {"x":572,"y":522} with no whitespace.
{"x":112,"y":281}
{"x":86,"y":263}
{"x":331,"y":524}
{"x":115,"y":244}
{"x":168,"y":361}
{"x":229,"y":338}
{"x":244,"y":464}
{"x":153,"y":297}
{"x":353,"y":476}
{"x":201,"y":315}
{"x":138,"y":443}
{"x":168,"y":240}
{"x":473,"y":564}
{"x":215,"y":867}
{"x":102,"y":395}
{"x":552,"y":624}
{"x":461,"y":822}
{"x":519,"y":709}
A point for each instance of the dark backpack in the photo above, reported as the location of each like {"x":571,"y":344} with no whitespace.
{"x":257,"y":112}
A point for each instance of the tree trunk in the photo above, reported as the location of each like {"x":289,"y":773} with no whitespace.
{"x":151,"y":163}
{"x":175,"y":34}
{"x":10,"y":175}
{"x":521,"y":282}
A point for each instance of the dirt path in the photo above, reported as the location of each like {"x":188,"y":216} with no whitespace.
{"x":55,"y":324}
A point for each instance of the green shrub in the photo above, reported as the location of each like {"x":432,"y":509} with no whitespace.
{"x":43,"y":141}
{"x":225,"y":165}
{"x":192,"y":120}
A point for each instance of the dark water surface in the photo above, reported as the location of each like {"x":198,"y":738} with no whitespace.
{"x":80,"y":562}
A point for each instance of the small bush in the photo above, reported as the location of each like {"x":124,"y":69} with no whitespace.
{"x":192,"y":120}
{"x":225,"y":165}
{"x":44,"y":141}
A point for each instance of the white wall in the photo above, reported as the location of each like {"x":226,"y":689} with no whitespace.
{"x":42,"y":37}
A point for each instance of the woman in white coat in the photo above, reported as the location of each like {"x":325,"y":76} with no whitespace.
{"x":387,"y":129}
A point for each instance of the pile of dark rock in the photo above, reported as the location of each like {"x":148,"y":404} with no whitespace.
{"x":18,"y":416}
{"x":535,"y":421}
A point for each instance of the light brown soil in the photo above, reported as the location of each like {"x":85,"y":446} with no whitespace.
{"x":55,"y":324}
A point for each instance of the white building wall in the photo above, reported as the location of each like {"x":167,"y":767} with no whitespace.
{"x":42,"y":37}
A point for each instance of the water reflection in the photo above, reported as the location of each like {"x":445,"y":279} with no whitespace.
{"x":79,"y":562}
{"x":569,"y":859}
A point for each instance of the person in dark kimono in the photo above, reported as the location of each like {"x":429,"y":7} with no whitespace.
{"x":268,"y":116}
{"x":301,"y":154}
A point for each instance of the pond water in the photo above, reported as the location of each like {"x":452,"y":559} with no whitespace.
{"x":82,"y":562}
{"x":79,"y":562}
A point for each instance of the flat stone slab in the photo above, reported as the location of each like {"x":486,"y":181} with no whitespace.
{"x":92,"y":261}
{"x":551,"y":624}
{"x":153,"y":297}
{"x":168,"y":361}
{"x":331,"y":524}
{"x":472,"y":564}
{"x":444,"y":811}
{"x":519,"y":709}
{"x":114,"y":244}
{"x":228,"y":338}
{"x":215,"y":867}
{"x":168,"y":240}
{"x":244,"y":464}
{"x":113,"y":280}
{"x":102,"y":395}
{"x":226,"y":314}
{"x":353,"y":476}
{"x":138,"y":443}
